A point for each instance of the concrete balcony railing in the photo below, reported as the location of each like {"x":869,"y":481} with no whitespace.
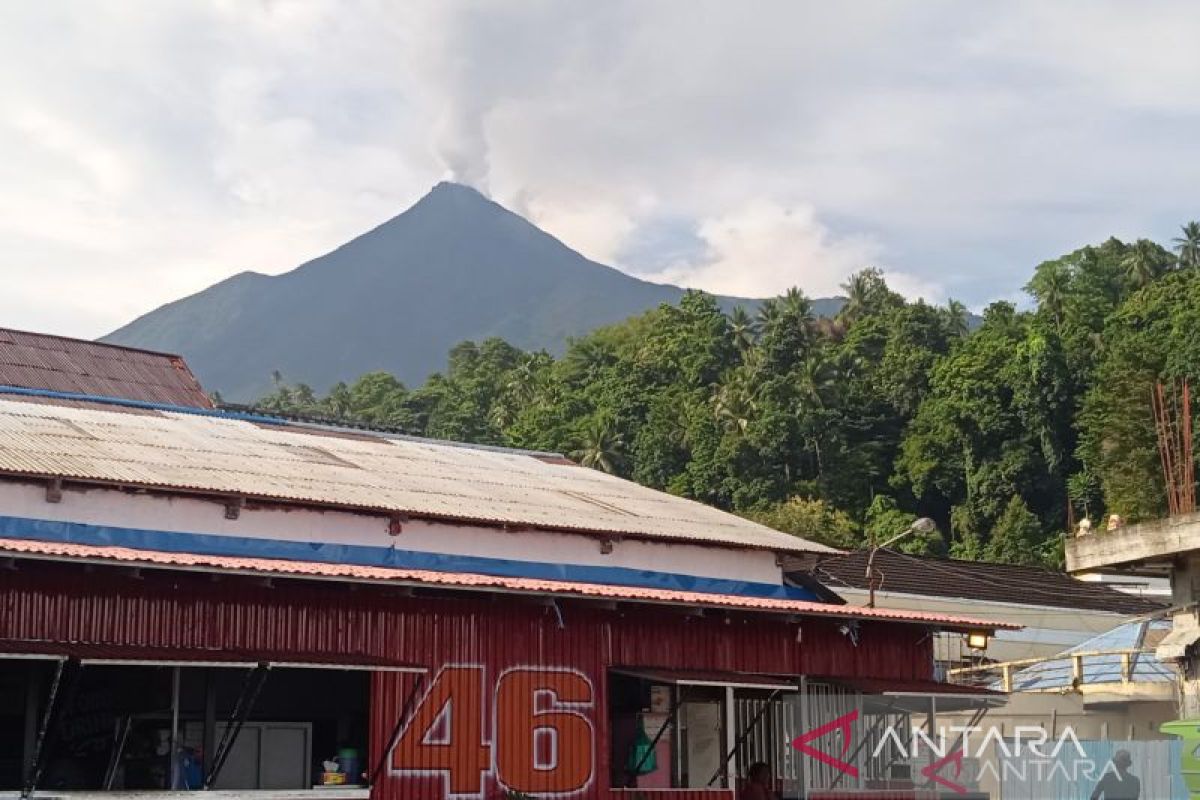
{"x":1151,"y":546}
{"x":1102,"y":676}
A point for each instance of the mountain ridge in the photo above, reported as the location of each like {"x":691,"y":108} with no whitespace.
{"x":454,"y":266}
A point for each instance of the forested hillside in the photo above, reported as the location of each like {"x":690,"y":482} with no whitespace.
{"x":840,"y":429}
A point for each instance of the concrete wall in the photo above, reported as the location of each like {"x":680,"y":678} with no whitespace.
{"x":186,"y":515}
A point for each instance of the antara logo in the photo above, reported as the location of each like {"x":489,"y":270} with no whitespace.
{"x":1029,"y":747}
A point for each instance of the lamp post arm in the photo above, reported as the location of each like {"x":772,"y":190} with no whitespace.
{"x":871,"y":562}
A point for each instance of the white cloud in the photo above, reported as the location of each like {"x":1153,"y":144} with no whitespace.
{"x":150,"y":149}
{"x":764,"y":249}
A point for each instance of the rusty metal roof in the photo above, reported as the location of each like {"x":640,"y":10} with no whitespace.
{"x":456,"y":580}
{"x":41,"y":361}
{"x":975,"y":580}
{"x":208,"y":453}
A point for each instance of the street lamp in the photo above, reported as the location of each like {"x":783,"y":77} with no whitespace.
{"x":921,"y":525}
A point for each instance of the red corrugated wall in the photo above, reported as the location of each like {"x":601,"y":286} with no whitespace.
{"x":556,"y":653}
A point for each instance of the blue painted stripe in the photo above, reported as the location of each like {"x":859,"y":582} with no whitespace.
{"x":24,"y":391}
{"x":367,"y":556}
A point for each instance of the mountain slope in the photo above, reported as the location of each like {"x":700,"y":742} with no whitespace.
{"x":455,"y":266}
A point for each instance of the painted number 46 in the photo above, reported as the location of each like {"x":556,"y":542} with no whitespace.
{"x":541,"y":740}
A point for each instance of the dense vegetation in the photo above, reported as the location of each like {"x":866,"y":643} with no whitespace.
{"x":846,"y":428}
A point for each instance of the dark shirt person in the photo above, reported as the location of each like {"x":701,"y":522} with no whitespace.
{"x":758,"y":783}
{"x":1118,"y":784}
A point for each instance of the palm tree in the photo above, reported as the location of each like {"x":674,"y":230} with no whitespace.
{"x":795,"y":303}
{"x":769,"y":312}
{"x":1188,"y":245}
{"x":858,"y":295}
{"x":586,"y":357}
{"x":815,"y":376}
{"x":957,"y":318}
{"x":522,"y":381}
{"x":337,"y":403}
{"x":1143,"y":263}
{"x":1049,"y":285}
{"x":797,"y":310}
{"x":733,"y":403}
{"x":743,"y":329}
{"x":602,"y":446}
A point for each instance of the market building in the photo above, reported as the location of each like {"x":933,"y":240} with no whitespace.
{"x":192,"y":598}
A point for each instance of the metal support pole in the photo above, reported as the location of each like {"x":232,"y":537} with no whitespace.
{"x":879,"y":724}
{"x":173,"y":753}
{"x":209,"y":742}
{"x":121,"y":736}
{"x":401,"y":721}
{"x":32,"y":693}
{"x":802,"y":765}
{"x":736,"y":745}
{"x":730,"y":741}
{"x":66,"y":682}
{"x":636,"y":770}
{"x":241,"y":711}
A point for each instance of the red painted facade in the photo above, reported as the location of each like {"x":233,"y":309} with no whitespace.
{"x":516,"y":667}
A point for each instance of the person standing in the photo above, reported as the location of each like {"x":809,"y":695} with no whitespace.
{"x":758,"y":783}
{"x":1118,"y":783}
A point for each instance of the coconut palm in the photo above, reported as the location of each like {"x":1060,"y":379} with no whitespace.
{"x":586,"y":357}
{"x":858,"y":295}
{"x":522,"y":382}
{"x":602,"y":446}
{"x":1188,"y":245}
{"x":338,"y":403}
{"x":742,"y":328}
{"x":1144,"y":262}
{"x":796,"y":304}
{"x":866,"y":290}
{"x":1049,"y":286}
{"x":733,"y":403}
{"x":957,"y":318}
{"x":769,"y":313}
{"x":815,"y":376}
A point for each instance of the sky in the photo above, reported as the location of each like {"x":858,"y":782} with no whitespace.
{"x":149,"y":149}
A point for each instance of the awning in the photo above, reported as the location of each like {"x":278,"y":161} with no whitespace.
{"x":914,"y":695}
{"x":259,"y":567}
{"x":103,"y":654}
{"x":738,"y":680}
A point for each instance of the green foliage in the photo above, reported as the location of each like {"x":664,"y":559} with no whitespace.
{"x":1154,"y":336}
{"x":845,"y":430}
{"x":1016,"y":537}
{"x":814,"y":520}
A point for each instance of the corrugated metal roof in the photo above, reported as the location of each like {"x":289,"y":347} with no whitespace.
{"x":974,"y":580}
{"x":212,"y":454}
{"x":40,"y":361}
{"x":301,"y":569}
{"x":1057,"y":673}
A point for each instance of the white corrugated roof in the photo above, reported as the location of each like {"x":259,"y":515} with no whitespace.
{"x":421,"y":478}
